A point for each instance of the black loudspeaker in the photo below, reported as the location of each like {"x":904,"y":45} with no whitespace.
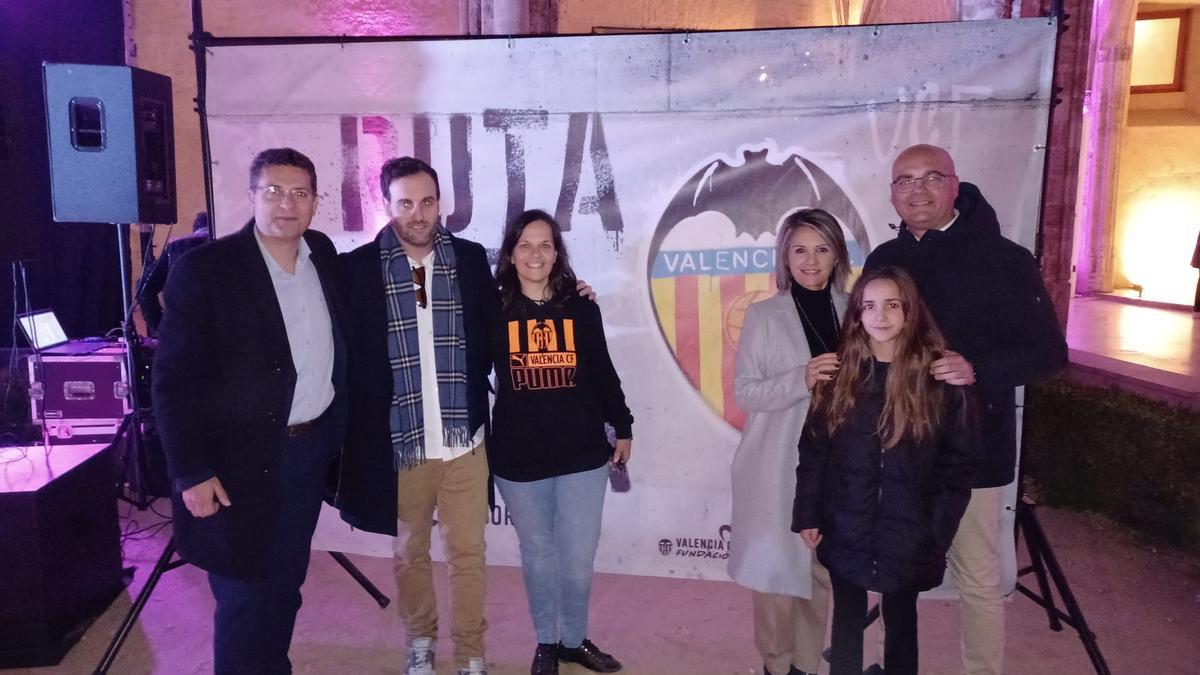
{"x":60,"y":561}
{"x":112,"y":144}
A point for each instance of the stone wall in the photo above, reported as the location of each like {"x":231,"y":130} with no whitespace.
{"x":1060,"y":194}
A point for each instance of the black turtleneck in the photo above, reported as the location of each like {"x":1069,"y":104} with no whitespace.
{"x":817,"y":315}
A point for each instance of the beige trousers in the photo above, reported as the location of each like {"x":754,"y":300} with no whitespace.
{"x":457,"y":490}
{"x":790,"y":631}
{"x":974,"y":560}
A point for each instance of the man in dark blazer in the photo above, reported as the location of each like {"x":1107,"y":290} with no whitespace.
{"x":248,"y":393}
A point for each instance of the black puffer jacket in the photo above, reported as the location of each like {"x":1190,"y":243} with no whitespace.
{"x":987,"y":296}
{"x":887,"y":517}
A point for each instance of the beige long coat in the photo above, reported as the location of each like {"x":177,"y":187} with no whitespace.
{"x":765,"y":555}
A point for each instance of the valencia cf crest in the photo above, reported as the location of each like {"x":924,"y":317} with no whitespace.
{"x":713,"y":254}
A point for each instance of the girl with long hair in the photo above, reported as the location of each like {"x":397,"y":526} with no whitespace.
{"x":884,"y":475}
{"x":556,"y":389}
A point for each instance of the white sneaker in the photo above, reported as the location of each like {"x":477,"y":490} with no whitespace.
{"x":474,"y":667}
{"x":420,"y":657}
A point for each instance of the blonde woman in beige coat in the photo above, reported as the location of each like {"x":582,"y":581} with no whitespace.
{"x":788,"y":344}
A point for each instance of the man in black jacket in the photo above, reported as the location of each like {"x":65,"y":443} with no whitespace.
{"x":248,"y":386}
{"x":156,"y":280}
{"x":421,"y":304}
{"x":987,"y":295}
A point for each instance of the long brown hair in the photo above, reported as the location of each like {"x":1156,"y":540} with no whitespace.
{"x":913,"y":399}
{"x":562,"y":277}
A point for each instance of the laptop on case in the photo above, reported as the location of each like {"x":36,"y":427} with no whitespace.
{"x":45,"y":334}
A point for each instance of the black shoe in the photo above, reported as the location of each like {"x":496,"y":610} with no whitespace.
{"x":545,"y":660}
{"x":589,"y":656}
{"x":874,"y":669}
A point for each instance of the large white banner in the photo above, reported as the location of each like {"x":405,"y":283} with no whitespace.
{"x":671,"y":159}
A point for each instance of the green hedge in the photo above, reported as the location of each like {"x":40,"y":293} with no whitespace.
{"x":1103,"y":450}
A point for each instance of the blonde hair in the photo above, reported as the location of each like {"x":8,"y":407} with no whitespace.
{"x":830,"y":230}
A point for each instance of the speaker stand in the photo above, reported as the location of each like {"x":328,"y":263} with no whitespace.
{"x":133,"y":459}
{"x":164,"y":564}
{"x":1042,"y":561}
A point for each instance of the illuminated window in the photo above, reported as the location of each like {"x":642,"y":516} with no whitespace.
{"x":1159,"y":46}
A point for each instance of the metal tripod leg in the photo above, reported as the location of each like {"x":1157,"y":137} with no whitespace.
{"x":381,"y":599}
{"x":164,"y":564}
{"x":1038,"y":567}
{"x":1044,"y":560}
{"x":872,"y":615}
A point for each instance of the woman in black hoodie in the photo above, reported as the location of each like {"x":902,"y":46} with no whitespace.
{"x":556,"y":389}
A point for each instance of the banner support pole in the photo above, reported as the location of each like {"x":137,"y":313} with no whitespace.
{"x":199,"y":40}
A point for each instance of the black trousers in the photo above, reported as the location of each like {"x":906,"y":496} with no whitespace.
{"x":254,"y":619}
{"x":849,"y":611}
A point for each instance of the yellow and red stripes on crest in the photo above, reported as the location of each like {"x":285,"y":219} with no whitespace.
{"x":692,"y":311}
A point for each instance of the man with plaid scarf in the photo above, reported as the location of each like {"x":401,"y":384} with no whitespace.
{"x":421,"y":306}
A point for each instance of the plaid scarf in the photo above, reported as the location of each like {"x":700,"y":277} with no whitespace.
{"x":406,"y":419}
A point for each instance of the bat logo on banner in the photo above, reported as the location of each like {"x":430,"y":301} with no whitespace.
{"x":713,"y":254}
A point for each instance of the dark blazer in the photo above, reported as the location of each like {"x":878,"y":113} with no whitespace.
{"x":366,"y":483}
{"x":223,"y":384}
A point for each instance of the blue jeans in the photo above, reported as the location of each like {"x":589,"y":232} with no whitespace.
{"x":558,"y":526}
